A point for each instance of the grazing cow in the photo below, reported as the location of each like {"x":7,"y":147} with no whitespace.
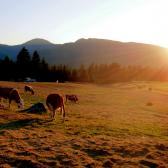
{"x":12,"y":94}
{"x":53,"y":102}
{"x":29,"y":89}
{"x":73,"y":98}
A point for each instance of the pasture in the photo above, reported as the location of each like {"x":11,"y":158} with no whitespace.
{"x":116,"y":125}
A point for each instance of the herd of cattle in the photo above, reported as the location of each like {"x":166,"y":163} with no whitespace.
{"x":53,"y":101}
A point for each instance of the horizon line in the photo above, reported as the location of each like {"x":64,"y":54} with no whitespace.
{"x":84,"y":39}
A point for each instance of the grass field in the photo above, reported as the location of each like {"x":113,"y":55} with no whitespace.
{"x":117,"y":125}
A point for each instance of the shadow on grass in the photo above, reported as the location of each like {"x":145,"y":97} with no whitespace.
{"x":14,"y":125}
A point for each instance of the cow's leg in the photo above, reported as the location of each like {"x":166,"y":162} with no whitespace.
{"x":63,"y":114}
{"x":54,"y":112}
{"x":10,"y":102}
{"x":51,"y":110}
{"x":61,"y":110}
{"x":51,"y":115}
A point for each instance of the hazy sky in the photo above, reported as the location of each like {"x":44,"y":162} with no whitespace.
{"x":61,"y":21}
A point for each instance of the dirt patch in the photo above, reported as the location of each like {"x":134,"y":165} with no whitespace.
{"x":96,"y":152}
{"x":149,"y":163}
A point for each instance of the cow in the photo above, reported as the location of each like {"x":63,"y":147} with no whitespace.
{"x":29,"y":89}
{"x":73,"y":98}
{"x":53,"y":102}
{"x":11,"y":94}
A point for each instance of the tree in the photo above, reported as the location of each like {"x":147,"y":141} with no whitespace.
{"x":92,"y":73}
{"x":36,"y":58}
{"x":43,"y":71}
{"x":7,"y":69}
{"x":74,"y":75}
{"x":83,"y":74}
{"x":35,"y":64}
{"x":23,"y":63}
{"x":23,"y":57}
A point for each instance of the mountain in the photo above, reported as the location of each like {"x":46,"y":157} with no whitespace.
{"x":32,"y":45}
{"x":87,"y":51}
{"x":38,"y":41}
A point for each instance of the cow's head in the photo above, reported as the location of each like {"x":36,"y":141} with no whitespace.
{"x":21,"y":104}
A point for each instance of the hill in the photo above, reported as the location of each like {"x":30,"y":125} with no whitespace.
{"x":87,"y":51}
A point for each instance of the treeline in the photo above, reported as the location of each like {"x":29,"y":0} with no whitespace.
{"x":36,"y":67}
{"x":31,"y":66}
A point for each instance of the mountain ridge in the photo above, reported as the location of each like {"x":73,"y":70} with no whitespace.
{"x":37,"y":41}
{"x":92,"y":50}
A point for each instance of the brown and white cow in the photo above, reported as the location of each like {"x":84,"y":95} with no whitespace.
{"x":29,"y":89}
{"x":11,"y":94}
{"x":54,"y":102}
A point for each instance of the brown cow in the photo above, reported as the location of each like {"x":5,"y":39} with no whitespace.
{"x":12,"y":94}
{"x":73,"y":98}
{"x":55,"y":101}
{"x":29,"y":89}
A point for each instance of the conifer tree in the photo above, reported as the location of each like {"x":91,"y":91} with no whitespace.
{"x":23,"y":63}
{"x":35,"y":64}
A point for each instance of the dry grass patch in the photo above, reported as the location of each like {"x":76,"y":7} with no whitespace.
{"x":110,"y":126}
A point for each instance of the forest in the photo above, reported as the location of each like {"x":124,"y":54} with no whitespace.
{"x":33,"y":66}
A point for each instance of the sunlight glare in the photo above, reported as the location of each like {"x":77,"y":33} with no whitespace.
{"x":147,"y":24}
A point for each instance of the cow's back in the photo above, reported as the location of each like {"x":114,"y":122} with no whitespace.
{"x":55,"y":100}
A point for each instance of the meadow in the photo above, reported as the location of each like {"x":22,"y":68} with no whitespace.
{"x":112,"y":125}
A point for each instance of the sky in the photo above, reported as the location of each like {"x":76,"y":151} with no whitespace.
{"x":62,"y":21}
